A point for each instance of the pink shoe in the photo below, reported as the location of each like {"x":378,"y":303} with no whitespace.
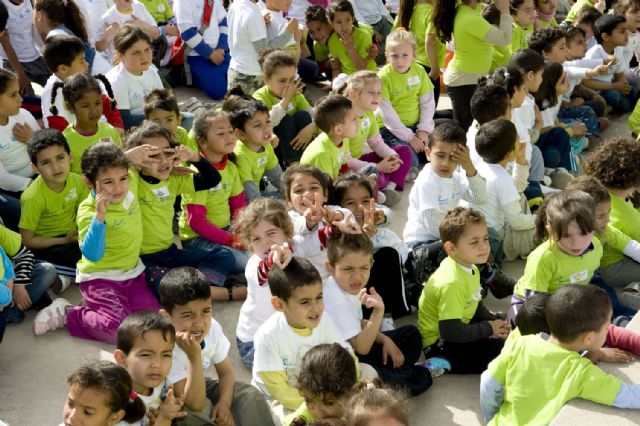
{"x":52,"y":317}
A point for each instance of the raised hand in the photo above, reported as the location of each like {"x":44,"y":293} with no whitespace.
{"x":188,"y":343}
{"x":314,"y":212}
{"x":170,"y":408}
{"x":281,"y":255}
{"x":371,"y":300}
{"x":369,"y":219}
{"x":348,"y":225}
{"x":144,"y":155}
{"x":184,"y":154}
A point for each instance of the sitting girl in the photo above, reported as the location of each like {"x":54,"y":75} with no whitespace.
{"x":320,"y":30}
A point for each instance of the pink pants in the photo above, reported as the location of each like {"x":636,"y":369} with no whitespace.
{"x":398,"y":177}
{"x":107,"y":304}
{"x":622,"y":338}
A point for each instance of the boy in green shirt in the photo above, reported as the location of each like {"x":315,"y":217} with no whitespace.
{"x":161,"y":107}
{"x":329,"y":151}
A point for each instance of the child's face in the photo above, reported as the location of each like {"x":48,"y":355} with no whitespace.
{"x":123,"y":4}
{"x":264,"y":235}
{"x":163,"y":169}
{"x":88,"y":407}
{"x":148,"y":362}
{"x":280,"y":79}
{"x":137,"y":59}
{"x":562,"y":86}
{"x":325,"y":406}
{"x":441,"y":158}
{"x":576,"y":48}
{"x":304,"y":307}
{"x":257,"y":130}
{"x":526,"y":13}
{"x":10,"y":100}
{"x":558,"y":52}
{"x":619,"y":36}
{"x":220,"y":136}
{"x":548,"y":7}
{"x":349,"y":128}
{"x":369,"y":98}
{"x":472,"y":248}
{"x":352,"y":271}
{"x":305,"y":187}
{"x":342,"y":23}
{"x":603,"y":211}
{"x":168,"y":120}
{"x":319,"y":31}
{"x":574,"y":242}
{"x":533,"y":80}
{"x":113,"y":182}
{"x":79,"y":65}
{"x":588,"y":30}
{"x":193,"y":318}
{"x":400,"y":56}
{"x":355,"y":197}
{"x":632,"y":15}
{"x":279,"y":5}
{"x":53,"y":164}
{"x":87,"y":109}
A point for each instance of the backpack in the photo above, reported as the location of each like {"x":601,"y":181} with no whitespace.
{"x":180,"y":50}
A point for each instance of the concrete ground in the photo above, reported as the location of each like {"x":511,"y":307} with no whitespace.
{"x":33,"y":371}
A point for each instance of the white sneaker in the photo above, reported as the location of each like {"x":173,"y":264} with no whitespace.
{"x":52,"y":317}
{"x":546,"y":180}
{"x":66,"y":282}
{"x":387,"y":324}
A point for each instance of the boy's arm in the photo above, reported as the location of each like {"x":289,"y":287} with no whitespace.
{"x":477,"y":191}
{"x":33,"y":241}
{"x":454,"y":330}
{"x":251,"y":191}
{"x":227,"y":382}
{"x":93,"y":245}
{"x":491,"y":396}
{"x":207,"y":177}
{"x":431,"y":219}
{"x":192,"y":388}
{"x":274,"y":175}
{"x":363,"y":341}
{"x":280,"y":389}
{"x":597,"y":84}
{"x":517,"y":220}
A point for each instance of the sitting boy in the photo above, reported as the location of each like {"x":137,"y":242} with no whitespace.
{"x":453,"y":322}
{"x":186,"y":300}
{"x":161,"y":107}
{"x":533,"y":378}
{"x":329,"y":151}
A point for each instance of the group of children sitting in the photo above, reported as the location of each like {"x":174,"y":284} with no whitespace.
{"x":285,"y":205}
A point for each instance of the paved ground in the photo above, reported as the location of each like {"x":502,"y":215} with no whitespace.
{"x":33,"y":370}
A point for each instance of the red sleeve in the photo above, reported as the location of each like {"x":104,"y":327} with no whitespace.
{"x":112,"y":115}
{"x":623,"y":338}
{"x":264,"y":267}
{"x":237,"y":203}
{"x":57,"y":122}
{"x":197,"y":220}
{"x":323,"y":234}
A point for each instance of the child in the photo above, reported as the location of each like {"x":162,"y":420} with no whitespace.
{"x":65,"y":56}
{"x":144,"y":348}
{"x":135,"y":75}
{"x":83,"y":98}
{"x":374,"y":406}
{"x":186,"y":301}
{"x":207,"y":215}
{"x":391,"y":165}
{"x":297,"y":296}
{"x":347,"y":292}
{"x":247,"y":38}
{"x":580,"y":5}
{"x":50,"y":204}
{"x":289,"y":110}
{"x":320,"y":30}
{"x":161,"y":107}
{"x":329,"y":151}
{"x":110,"y":273}
{"x":524,"y":16}
{"x":254,"y":154}
{"x":407,"y":105}
{"x":101,"y":392}
{"x":327,"y":375}
{"x":630,"y":9}
{"x":546,"y":13}
{"x":585,"y":20}
{"x":349,"y":43}
{"x":451,"y":317}
{"x":578,"y":318}
{"x":568,"y":252}
{"x":7,"y":276}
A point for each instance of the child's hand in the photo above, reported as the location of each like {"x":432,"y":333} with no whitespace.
{"x":292,"y":26}
{"x":110,"y":31}
{"x":184,"y":154}
{"x":267,"y":17}
{"x":579,"y":129}
{"x":623,"y":87}
{"x":187,"y":342}
{"x":373,"y":51}
{"x":290,"y":91}
{"x":601,"y":69}
{"x":500,"y":329}
{"x":348,"y":225}
{"x":182,"y":171}
{"x":282,"y":255}
{"x":303,"y":137}
{"x":460,"y":153}
{"x":611,"y":60}
{"x":389,"y":164}
{"x":22,"y":132}
{"x":502,"y":6}
{"x":103,"y":199}
{"x":372,"y":300}
{"x":171,"y":30}
{"x":369,"y":214}
{"x":144,"y":155}
{"x":600,"y":5}
{"x":417,"y":144}
{"x":71,"y":237}
{"x":610,"y":355}
{"x":576,"y":102}
{"x":221,"y":414}
{"x":217,"y":56}
{"x":389,"y":349}
{"x":314,"y":212}
{"x":275,"y":141}
{"x":170,"y":408}
{"x":521,"y":153}
{"x":21,"y":297}
{"x":347,"y":39}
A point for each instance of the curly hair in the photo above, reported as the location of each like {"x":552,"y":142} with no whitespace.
{"x":616,"y":163}
{"x":267,"y":209}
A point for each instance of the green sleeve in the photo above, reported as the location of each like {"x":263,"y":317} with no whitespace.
{"x":30,"y":211}
{"x":10,"y":241}
{"x":537,"y":275}
{"x":197,"y":198}
{"x":425,"y":82}
{"x":301,"y":103}
{"x":451,"y":301}
{"x":237,"y":183}
{"x":478,"y":27}
{"x":615,"y":238}
{"x":182,"y":185}
{"x":363,"y":42}
{"x":598,"y":386}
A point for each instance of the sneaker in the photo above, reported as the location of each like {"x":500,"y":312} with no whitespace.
{"x":52,"y":317}
{"x":381,"y":198}
{"x":561,"y":178}
{"x":63,"y":284}
{"x":546,"y":181}
{"x":387,"y":324}
{"x":392,"y":197}
{"x":413,"y":174}
{"x":437,"y":366}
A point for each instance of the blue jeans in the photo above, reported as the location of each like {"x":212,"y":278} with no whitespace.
{"x":308,"y":69}
{"x":211,"y":78}
{"x":619,"y":102}
{"x":187,"y":120}
{"x":43,"y":277}
{"x":391,"y":140}
{"x":555,"y":146}
{"x":583,"y":113}
{"x":618,"y":309}
{"x":240,"y":257}
{"x":246,"y":351}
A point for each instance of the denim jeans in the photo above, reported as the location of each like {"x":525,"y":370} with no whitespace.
{"x":555,"y":146}
{"x":240,"y":257}
{"x":495,"y":243}
{"x":42,"y":278}
{"x":620,"y":103}
{"x":583,"y":113}
{"x":246,"y":351}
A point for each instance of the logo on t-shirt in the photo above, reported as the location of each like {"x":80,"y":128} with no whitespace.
{"x":161,"y":8}
{"x":412,"y":81}
{"x":128,"y":200}
{"x":365,"y":123}
{"x":262,"y":161}
{"x":218,"y":187}
{"x":161,"y":192}
{"x":71,"y":195}
{"x":578,"y":277}
{"x":477,"y":295}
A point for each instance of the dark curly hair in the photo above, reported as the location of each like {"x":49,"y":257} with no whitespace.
{"x":327,"y":369}
{"x":616,"y":163}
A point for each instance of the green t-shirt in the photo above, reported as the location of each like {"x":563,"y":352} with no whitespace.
{"x":302,"y":412}
{"x":320,"y":51}
{"x":500,"y":58}
{"x":123,"y":234}
{"x":362,"y":40}
{"x":252,"y":165}
{"x":323,"y":153}
{"x":625,"y":218}
{"x":183,"y":137}
{"x":216,"y":200}
{"x":548,"y":268}
{"x":420,"y":25}
{"x":367,"y":128}
{"x":545,"y":24}
{"x":404,"y":91}
{"x":450,"y":293}
{"x":540,"y":377}
{"x":613,"y":244}
{"x":579,"y":4}
{"x":156,"y":204}
{"x":298,"y":103}
{"x":10,"y":241}
{"x":159,"y":9}
{"x":634,"y":119}
{"x":79,"y":143}
{"x":473,"y":53}
{"x":519,"y":37}
{"x":48,"y":213}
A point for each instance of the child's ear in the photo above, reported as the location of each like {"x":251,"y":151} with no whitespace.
{"x":120,"y":358}
{"x":34,"y":168}
{"x":164,"y":313}
{"x":179,"y":118}
{"x":427,"y":152}
{"x":277,"y":303}
{"x":239,"y":134}
{"x":87,"y":182}
{"x":528,"y":76}
{"x":116,"y":417}
{"x":330,"y":268}
{"x":449,"y":248}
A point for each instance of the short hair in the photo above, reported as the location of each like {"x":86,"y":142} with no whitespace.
{"x":137,"y":324}
{"x":509,"y":79}
{"x":325,"y":369}
{"x":587,"y":16}
{"x":42,"y":139}
{"x":616,"y":163}
{"x":298,"y":273}
{"x":369,"y":404}
{"x":448,"y":132}
{"x":147,"y":130}
{"x":544,"y":39}
{"x":267,"y":209}
{"x":181,"y":286}
{"x":161,"y":99}
{"x":331,"y":111}
{"x":400,"y":35}
{"x":289,"y":174}
{"x":495,"y":140}
{"x":575,"y":309}
{"x":340,"y":244}
{"x":572,"y":33}
{"x":241,"y":108}
{"x":491,"y":14}
{"x":271,"y":60}
{"x":61,"y":50}
{"x":128,"y":35}
{"x":456,"y":221}
{"x":349,"y":180}
{"x":316,"y":13}
{"x":560,"y":209}
{"x":341,"y":6}
{"x":591,"y":186}
{"x":493,"y":95}
{"x":526,"y":60}
{"x":530,"y":318}
{"x":606,"y":24}
{"x":102,"y":156}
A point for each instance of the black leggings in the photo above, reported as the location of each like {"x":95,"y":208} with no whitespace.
{"x":386,"y":276}
{"x":460,"y":101}
{"x":467,"y":358}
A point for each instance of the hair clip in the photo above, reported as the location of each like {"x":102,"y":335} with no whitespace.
{"x":133,"y":396}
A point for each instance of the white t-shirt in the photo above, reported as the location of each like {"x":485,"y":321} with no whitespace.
{"x":277,"y":25}
{"x":257,"y":307}
{"x":298,"y":9}
{"x":189,"y":14}
{"x":21,"y":31}
{"x":114,"y":16}
{"x":15,"y":165}
{"x":372,"y":11}
{"x":246,"y":25}
{"x":524,"y":118}
{"x":626,"y":53}
{"x":279,"y":348}
{"x":344,"y":309}
{"x":431,"y":191}
{"x":151,"y":402}
{"x":95,"y":10}
{"x":549,"y":115}
{"x":216,"y":349}
{"x":598,"y":52}
{"x":309,"y":246}
{"x":130,"y":90}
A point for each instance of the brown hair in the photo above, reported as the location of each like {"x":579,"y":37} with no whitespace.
{"x":591,"y":186}
{"x":616,"y":163}
{"x":267,"y":209}
{"x":341,"y":244}
{"x":456,"y":221}
{"x":369,"y":404}
{"x":287,"y":178}
{"x":270,"y":60}
{"x":331,"y":111}
{"x":562,"y":208}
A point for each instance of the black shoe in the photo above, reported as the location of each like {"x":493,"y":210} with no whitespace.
{"x":500,"y":285}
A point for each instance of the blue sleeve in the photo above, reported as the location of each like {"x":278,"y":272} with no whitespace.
{"x":130,"y":119}
{"x":223,"y":41}
{"x":9,"y":274}
{"x":202,"y":48}
{"x":94,"y":243}
{"x":628,"y":396}
{"x":491,"y":396}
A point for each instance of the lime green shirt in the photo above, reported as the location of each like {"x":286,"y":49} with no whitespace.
{"x":634,"y":119}
{"x":216,"y":200}
{"x":539,"y":378}
{"x":367,"y":128}
{"x":545,"y":24}
{"x":579,"y":4}
{"x":450,"y":293}
{"x":500,"y":58}
{"x":473,"y":53}
{"x":320,"y":51}
{"x":323,"y":153}
{"x":159,"y":9}
{"x":79,"y":143}
{"x":613,"y":243}
{"x":404,"y":91}
{"x":48,"y":213}
{"x":298,"y":103}
{"x":10,"y":241}
{"x":362,"y":40}
{"x":420,"y":25}
{"x":548,"y":268}
{"x":519,"y":37}
{"x":624,"y":217}
{"x":252,"y":165}
{"x":185,"y":138}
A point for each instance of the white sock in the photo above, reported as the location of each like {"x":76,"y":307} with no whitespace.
{"x":391,"y":186}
